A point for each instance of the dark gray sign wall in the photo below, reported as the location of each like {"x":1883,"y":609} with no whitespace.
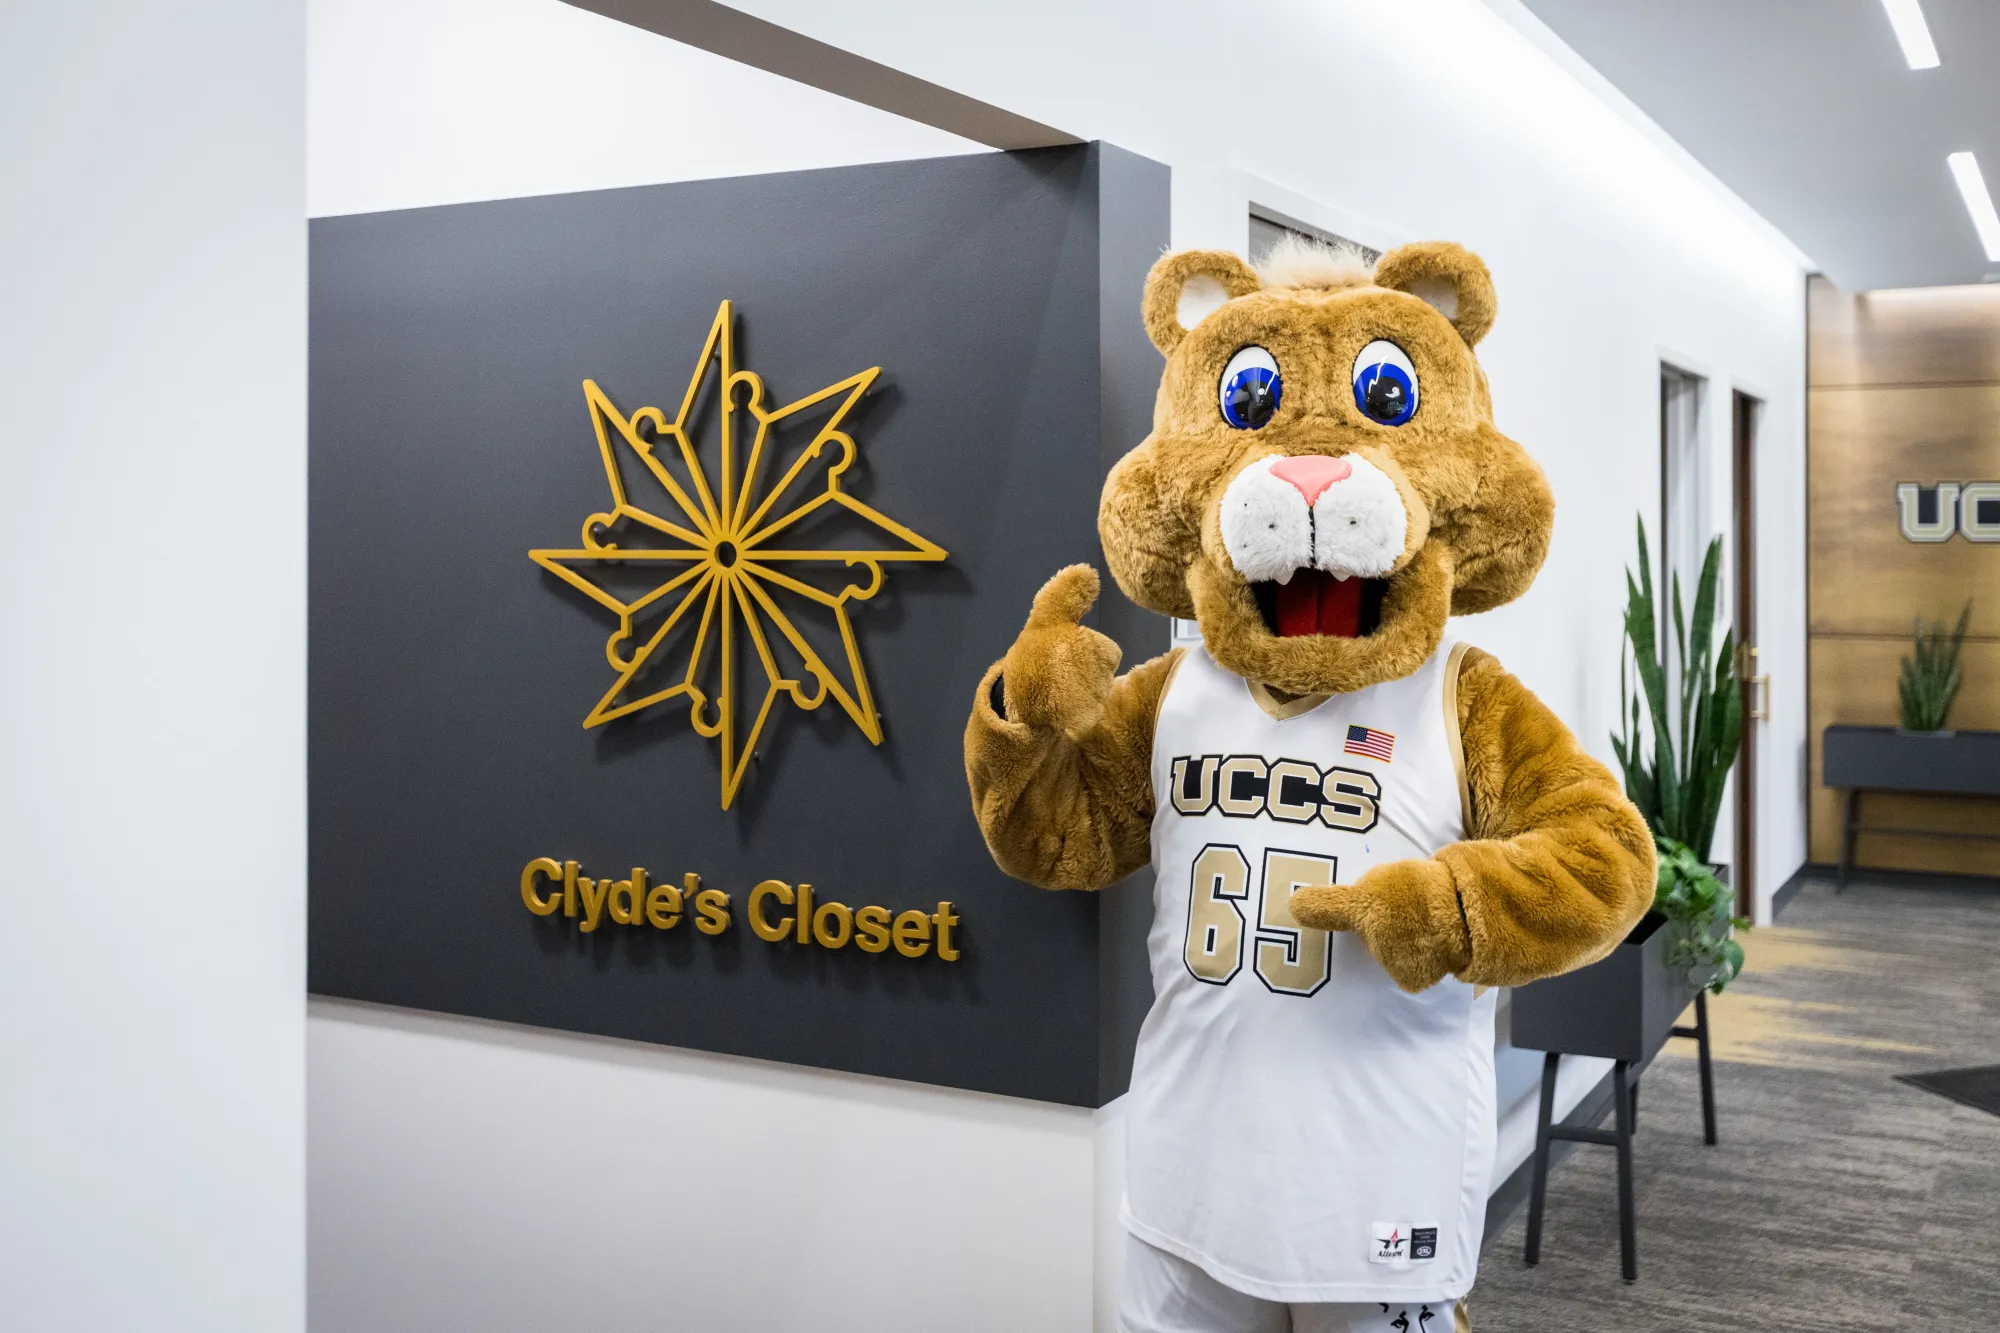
{"x":450,"y":676}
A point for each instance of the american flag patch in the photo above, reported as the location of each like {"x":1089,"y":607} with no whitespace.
{"x":1370,"y":742}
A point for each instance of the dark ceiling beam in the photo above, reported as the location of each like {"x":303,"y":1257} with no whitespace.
{"x":754,"y":41}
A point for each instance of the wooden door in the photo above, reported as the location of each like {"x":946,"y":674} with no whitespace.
{"x":1754,"y":683}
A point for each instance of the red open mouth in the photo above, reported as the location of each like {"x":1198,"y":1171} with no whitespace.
{"x":1315,"y":602}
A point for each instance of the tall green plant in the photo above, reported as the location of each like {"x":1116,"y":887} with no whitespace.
{"x":1677,"y":781}
{"x":1930,"y":679}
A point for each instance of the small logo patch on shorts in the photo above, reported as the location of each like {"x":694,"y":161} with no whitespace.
{"x":1400,"y":1244}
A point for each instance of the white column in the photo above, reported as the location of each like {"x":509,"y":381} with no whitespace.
{"x":152,"y":708}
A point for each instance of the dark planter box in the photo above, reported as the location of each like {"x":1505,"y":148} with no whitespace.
{"x":1891,"y":759}
{"x":1621,"y":1007}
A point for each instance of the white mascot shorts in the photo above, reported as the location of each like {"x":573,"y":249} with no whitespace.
{"x":1166,"y":1294}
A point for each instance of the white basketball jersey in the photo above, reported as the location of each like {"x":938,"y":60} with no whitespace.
{"x":1298,"y":1126}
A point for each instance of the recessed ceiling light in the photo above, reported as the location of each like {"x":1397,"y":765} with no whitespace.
{"x":1912,"y":33}
{"x":1978,"y":201}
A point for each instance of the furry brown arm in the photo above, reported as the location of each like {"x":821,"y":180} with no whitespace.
{"x":1062,"y":784}
{"x":1557,"y":867}
{"x":1560,"y":865}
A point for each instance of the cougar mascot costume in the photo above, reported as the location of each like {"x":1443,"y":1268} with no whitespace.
{"x":1359,"y":827}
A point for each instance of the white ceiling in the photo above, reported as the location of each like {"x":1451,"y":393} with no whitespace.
{"x":1807,"y":110}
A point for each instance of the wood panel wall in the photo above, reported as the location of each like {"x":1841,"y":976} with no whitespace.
{"x":1904,"y":387}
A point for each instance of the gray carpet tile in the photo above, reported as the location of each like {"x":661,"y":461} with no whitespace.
{"x":1838,"y":1199}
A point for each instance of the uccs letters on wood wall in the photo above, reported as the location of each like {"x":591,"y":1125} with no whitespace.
{"x":1903,"y":511}
{"x":658,"y":540}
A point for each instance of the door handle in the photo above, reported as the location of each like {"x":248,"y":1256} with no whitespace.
{"x":1746,"y":668}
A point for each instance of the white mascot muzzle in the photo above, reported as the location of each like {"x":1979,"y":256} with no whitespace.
{"x":1342,"y":516}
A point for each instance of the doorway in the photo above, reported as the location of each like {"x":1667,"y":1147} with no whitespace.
{"x":1685,"y":521}
{"x":1266,"y":230}
{"x":1691,"y":503}
{"x":1700,"y":501}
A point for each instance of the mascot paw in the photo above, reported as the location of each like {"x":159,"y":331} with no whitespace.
{"x":1058,"y":673}
{"x":1406,"y":913}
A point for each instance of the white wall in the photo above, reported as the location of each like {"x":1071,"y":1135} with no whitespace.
{"x":152,"y":409}
{"x":1450,"y":118}
{"x":1453,"y":119}
{"x":477,"y":1178}
{"x":415,"y":102}
{"x":1428,"y":118}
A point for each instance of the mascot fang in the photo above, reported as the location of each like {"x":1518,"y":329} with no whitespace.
{"x":1359,"y":827}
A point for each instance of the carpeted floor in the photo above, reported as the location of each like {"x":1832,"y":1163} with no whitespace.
{"x":1838,"y":1198}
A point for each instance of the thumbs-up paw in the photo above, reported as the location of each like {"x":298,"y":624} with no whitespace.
{"x":1059,"y":672}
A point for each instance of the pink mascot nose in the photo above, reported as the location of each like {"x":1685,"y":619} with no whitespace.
{"x":1312,"y":473}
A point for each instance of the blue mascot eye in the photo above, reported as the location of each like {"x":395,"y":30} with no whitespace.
{"x":1251,"y":388}
{"x":1385,"y":383}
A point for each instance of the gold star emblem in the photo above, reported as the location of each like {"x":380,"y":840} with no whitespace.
{"x":716,"y":569}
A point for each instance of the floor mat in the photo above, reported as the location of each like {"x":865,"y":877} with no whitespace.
{"x":1978,"y":1086}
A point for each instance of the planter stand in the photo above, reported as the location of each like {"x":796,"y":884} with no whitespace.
{"x":1888,"y":759}
{"x":1623,"y":1007}
{"x":1625,"y":1103}
{"x":1700,"y":1034}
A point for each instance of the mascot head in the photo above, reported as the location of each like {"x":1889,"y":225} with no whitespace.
{"x":1323,"y":485}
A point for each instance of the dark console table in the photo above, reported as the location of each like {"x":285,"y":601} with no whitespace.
{"x":1888,"y":759}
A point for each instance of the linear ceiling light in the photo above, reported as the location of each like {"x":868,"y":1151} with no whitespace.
{"x":1907,"y":18}
{"x":1978,"y":201}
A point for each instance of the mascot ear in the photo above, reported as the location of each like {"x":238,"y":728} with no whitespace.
{"x":1186,"y":287}
{"x":1449,"y":278}
{"x":1500,"y":539}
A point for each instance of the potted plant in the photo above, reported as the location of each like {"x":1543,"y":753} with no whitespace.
{"x":1919,"y":756}
{"x":1675,"y":766}
{"x":1929,"y":679}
